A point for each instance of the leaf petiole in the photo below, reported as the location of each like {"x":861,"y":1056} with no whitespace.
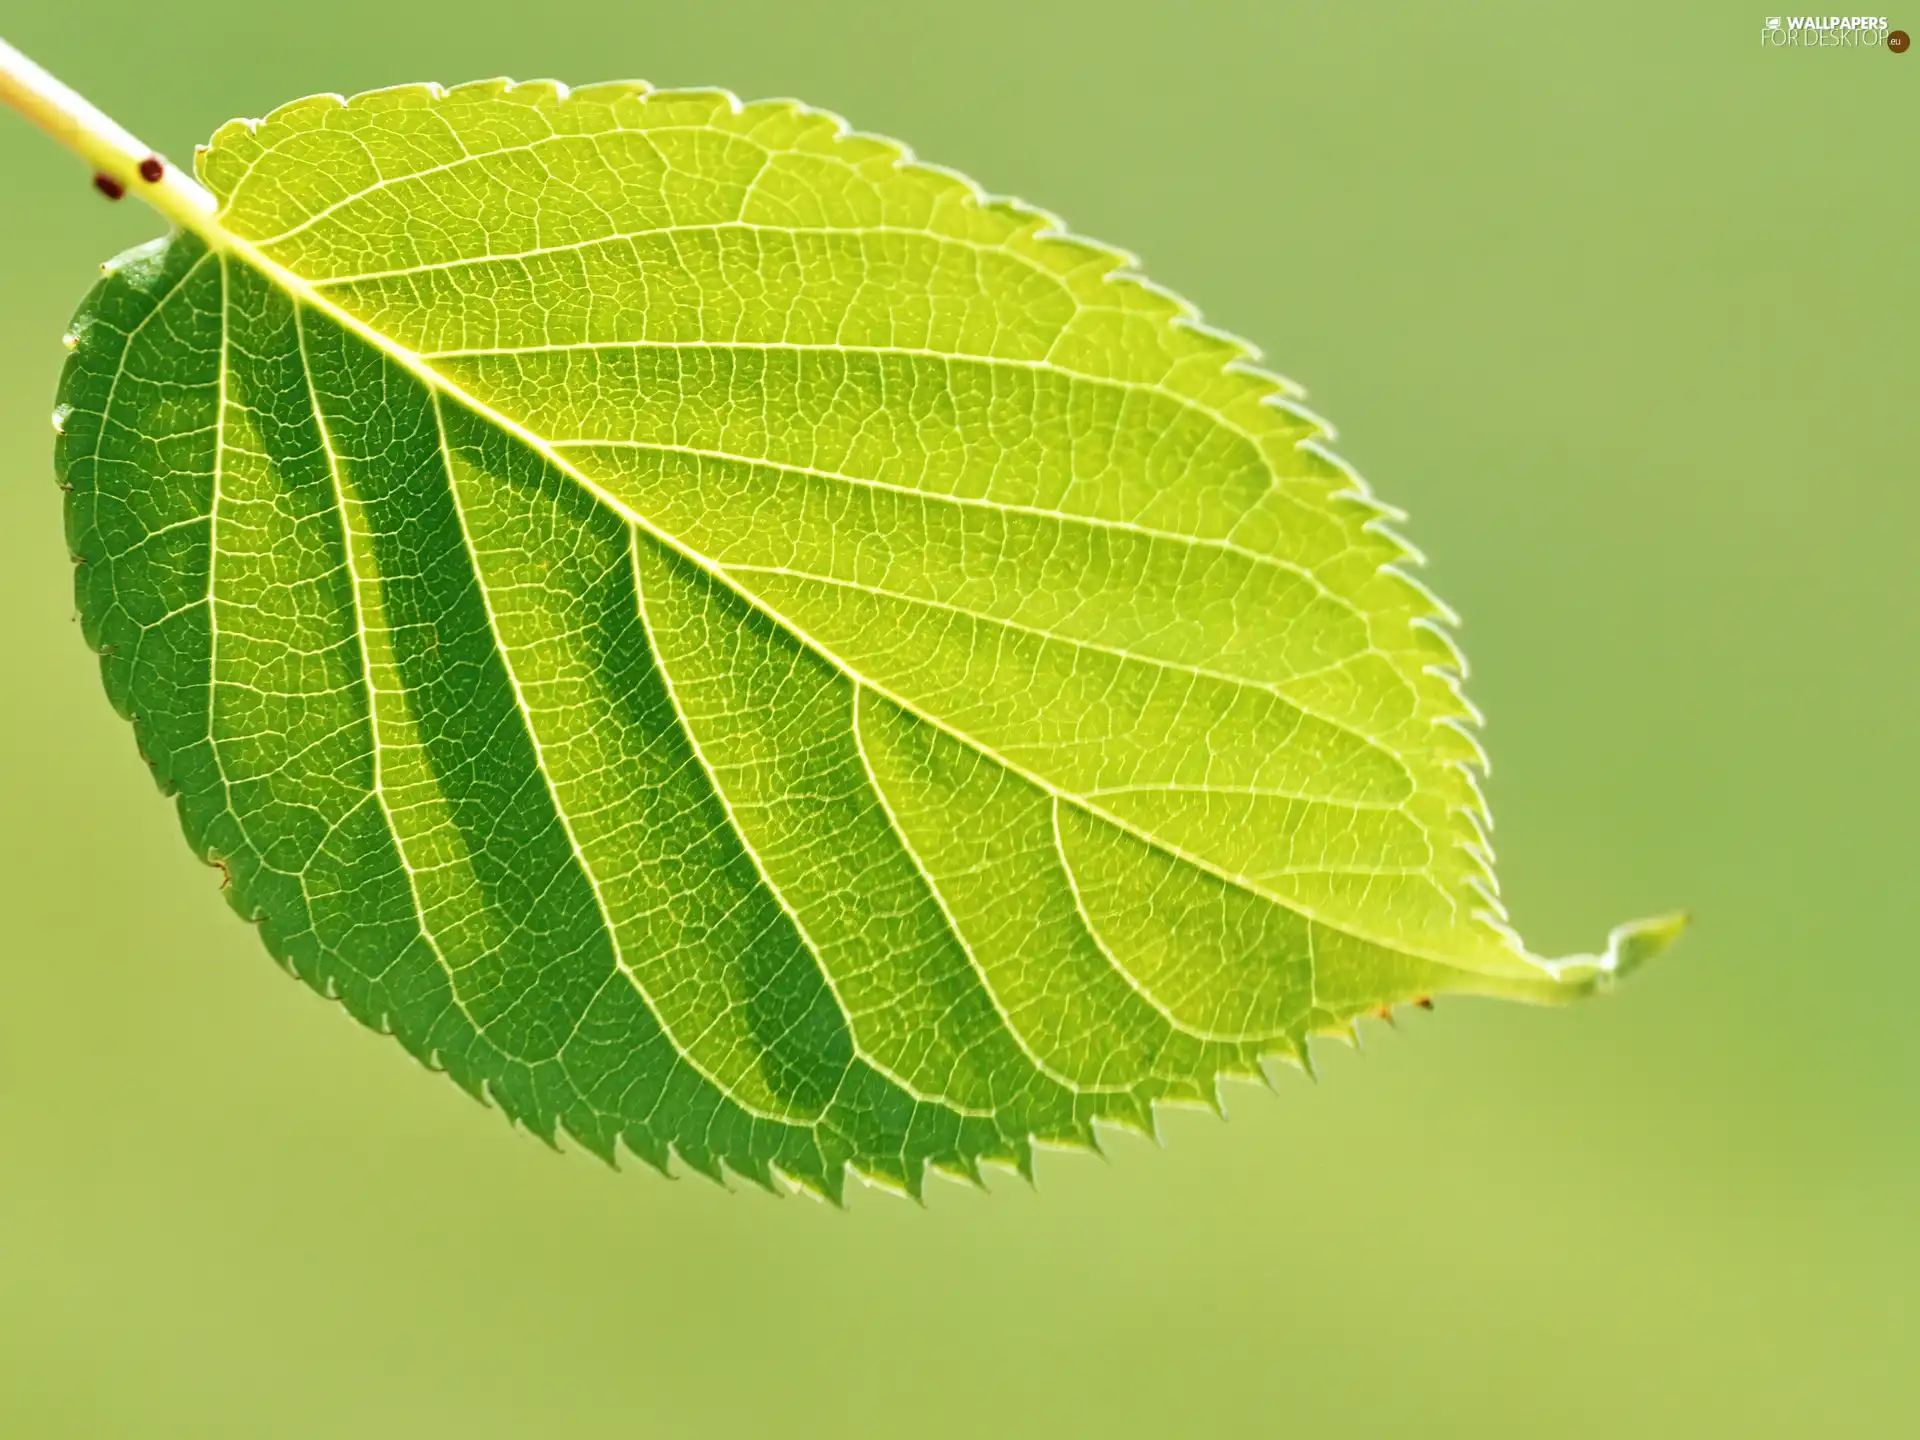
{"x":120,"y":161}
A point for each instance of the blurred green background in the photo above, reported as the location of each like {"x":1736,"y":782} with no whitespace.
{"x":1622,"y":307}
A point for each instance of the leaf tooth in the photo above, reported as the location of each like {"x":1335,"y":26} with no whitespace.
{"x":718,"y":96}
{"x":1290,"y":1049}
{"x":756,"y":1172}
{"x":490,"y":87}
{"x":1474,"y":807}
{"x":1022,"y":1160}
{"x":233,"y":132}
{"x":611,"y":92}
{"x":1488,"y":890}
{"x":1307,"y":1063}
{"x":600,"y":1141}
{"x":1473,"y":802}
{"x":526,"y":92}
{"x":1440,"y":625}
{"x":700,"y":1160}
{"x":1135,"y":1119}
{"x":1295,"y":1055}
{"x":831,"y":1184}
{"x":500,"y":1098}
{"x":908,"y":1182}
{"x":962,"y":1169}
{"x":1090,"y":1143}
{"x":1482,"y":879}
{"x":414,"y":96}
{"x":291,"y":111}
{"x":647,"y":1148}
{"x":1198,"y":1098}
{"x":1357,"y":492}
{"x":824,"y":1184}
{"x":456,"y":1068}
{"x":1244,"y":358}
{"x":814,"y":1188}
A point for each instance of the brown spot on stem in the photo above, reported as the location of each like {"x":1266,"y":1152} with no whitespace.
{"x":152,"y":168}
{"x":108,"y":186}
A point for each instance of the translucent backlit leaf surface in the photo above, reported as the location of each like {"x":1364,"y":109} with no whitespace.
{"x":737,"y":644}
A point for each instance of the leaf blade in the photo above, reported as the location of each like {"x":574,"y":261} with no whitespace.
{"x":729,"y":640}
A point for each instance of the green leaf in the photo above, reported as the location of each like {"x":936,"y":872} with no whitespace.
{"x":729,"y":640}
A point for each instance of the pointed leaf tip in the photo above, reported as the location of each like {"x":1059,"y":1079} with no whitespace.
{"x":1632,"y":945}
{"x":1629,"y":947}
